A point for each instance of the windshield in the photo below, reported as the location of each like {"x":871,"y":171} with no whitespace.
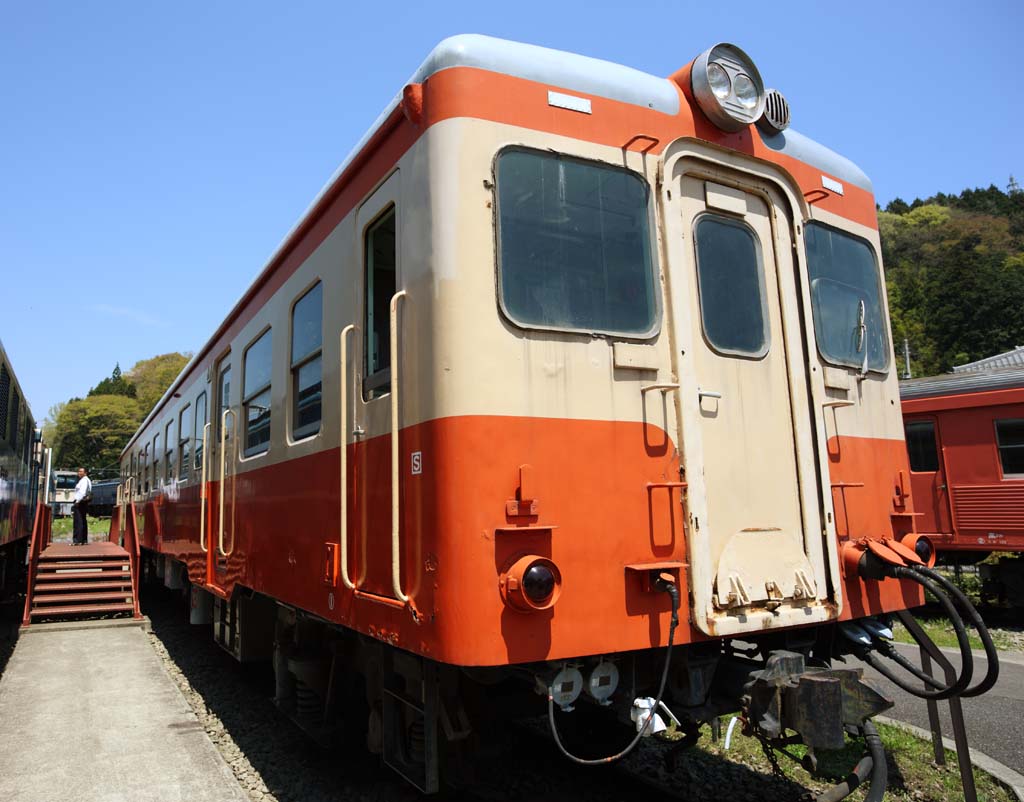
{"x":66,"y":481}
{"x":849,"y":317}
{"x":574,"y":245}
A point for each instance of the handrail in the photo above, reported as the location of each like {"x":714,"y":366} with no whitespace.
{"x":202,"y":492}
{"x":223,"y":481}
{"x":396,"y":561}
{"x":134,"y":554}
{"x":35,"y":547}
{"x":343,"y":440}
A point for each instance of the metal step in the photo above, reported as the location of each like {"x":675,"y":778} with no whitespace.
{"x":78,"y":565}
{"x":53,"y":598}
{"x":103,"y":584}
{"x":81,"y":609}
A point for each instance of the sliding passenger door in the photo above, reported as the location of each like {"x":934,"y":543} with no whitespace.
{"x":373,"y":563}
{"x":220,"y":504}
{"x":755,"y":539}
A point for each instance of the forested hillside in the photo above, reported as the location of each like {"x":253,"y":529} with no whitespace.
{"x":955,"y":274}
{"x":91,"y":431}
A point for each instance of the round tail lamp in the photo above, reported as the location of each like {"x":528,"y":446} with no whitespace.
{"x":922,"y":546}
{"x":531,"y":583}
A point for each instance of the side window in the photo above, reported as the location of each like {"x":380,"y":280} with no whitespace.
{"x":144,"y":469}
{"x":730,"y":282}
{"x":306,"y":359}
{"x":256,"y":372}
{"x":5,"y":399}
{"x":157,"y":477}
{"x":170,"y":451}
{"x":1010,"y":439}
{"x":200,"y":425}
{"x":921,"y":446}
{"x":15,"y":410}
{"x":381,"y":263}
{"x":846,"y":299}
{"x":184,"y":443}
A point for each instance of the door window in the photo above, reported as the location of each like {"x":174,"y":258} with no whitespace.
{"x":307,"y":338}
{"x":256,"y":396}
{"x":381,"y":264}
{"x":1010,"y":439}
{"x":921,"y":446}
{"x":730,"y":280}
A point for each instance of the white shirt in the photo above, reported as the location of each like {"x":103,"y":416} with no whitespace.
{"x":82,"y":489}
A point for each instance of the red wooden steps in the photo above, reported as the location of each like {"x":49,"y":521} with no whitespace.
{"x":90,"y":580}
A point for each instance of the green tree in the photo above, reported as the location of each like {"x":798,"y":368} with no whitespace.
{"x":152,"y":377}
{"x":115,"y":384}
{"x":92,"y":431}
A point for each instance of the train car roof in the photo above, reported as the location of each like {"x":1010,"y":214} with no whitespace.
{"x":978,"y":381}
{"x":5,"y":359}
{"x":543,"y":65}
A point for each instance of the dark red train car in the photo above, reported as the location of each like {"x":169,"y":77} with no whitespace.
{"x":965,"y":438}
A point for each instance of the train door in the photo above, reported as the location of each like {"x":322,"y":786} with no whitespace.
{"x":928,"y":481}
{"x":756,"y":548}
{"x":377,"y":226}
{"x":220,"y":532}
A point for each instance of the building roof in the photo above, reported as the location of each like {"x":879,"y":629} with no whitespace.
{"x":1006,"y":360}
{"x":974,"y":381}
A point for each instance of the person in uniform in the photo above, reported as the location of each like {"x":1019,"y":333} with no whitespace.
{"x":80,"y":508}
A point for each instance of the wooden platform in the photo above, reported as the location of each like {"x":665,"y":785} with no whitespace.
{"x":91,"y":580}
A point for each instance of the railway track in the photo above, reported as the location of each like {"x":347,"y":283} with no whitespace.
{"x":277,"y":762}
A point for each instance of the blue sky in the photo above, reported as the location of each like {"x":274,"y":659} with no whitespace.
{"x":153,"y":155}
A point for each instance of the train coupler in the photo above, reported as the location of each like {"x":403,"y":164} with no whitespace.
{"x":817,"y":703}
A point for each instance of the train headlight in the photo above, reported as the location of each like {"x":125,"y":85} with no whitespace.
{"x":531,"y":583}
{"x":727,"y":86}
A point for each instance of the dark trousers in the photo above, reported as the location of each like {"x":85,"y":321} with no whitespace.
{"x":81,"y":528}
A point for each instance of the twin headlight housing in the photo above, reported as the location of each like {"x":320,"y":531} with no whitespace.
{"x":727,"y":86}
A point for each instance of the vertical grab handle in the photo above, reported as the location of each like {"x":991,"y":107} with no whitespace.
{"x":202,"y":492}
{"x":396,"y":564}
{"x":343,"y":438}
{"x":223,"y":479}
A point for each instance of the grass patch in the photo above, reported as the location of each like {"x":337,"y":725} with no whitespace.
{"x":913,"y":774}
{"x":62,"y":527}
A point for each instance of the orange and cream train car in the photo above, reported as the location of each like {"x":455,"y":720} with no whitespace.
{"x":562,"y":349}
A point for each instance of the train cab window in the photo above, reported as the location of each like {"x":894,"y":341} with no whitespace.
{"x":184,"y":442}
{"x":730,"y":281}
{"x":846,"y":299}
{"x":199,"y":430}
{"x":1010,"y":440}
{"x":381,"y":266}
{"x":157,"y":477}
{"x":256,"y":395}
{"x":921,"y":446}
{"x":574,"y":245}
{"x":169,"y":473}
{"x":307,"y":340}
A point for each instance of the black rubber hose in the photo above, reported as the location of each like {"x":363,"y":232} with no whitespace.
{"x":966,"y":658}
{"x":860,"y":774}
{"x":991,"y":655}
{"x":893,"y":654}
{"x":879,"y":769}
{"x":673,"y":592}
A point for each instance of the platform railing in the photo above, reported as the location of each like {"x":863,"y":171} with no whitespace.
{"x":131,"y":545}
{"x":41,"y":532}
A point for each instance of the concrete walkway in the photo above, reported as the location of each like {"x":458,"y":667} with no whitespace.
{"x":90,"y":715}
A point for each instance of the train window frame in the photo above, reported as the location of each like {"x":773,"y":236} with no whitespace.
{"x":880,"y":294}
{"x":198,"y":429}
{"x":144,"y":469}
{"x":170,"y":446}
{"x":297,"y":433}
{"x":184,"y":445}
{"x":741,"y":225}
{"x":157,"y":479}
{"x":247,"y":398}
{"x":1000,"y":447}
{"x":652,"y":271}
{"x":935,"y":452}
{"x":378,"y":382}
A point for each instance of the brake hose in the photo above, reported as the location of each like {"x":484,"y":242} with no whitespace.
{"x":967,"y":659}
{"x":879,"y":769}
{"x":670,"y":588}
{"x":991,"y":655}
